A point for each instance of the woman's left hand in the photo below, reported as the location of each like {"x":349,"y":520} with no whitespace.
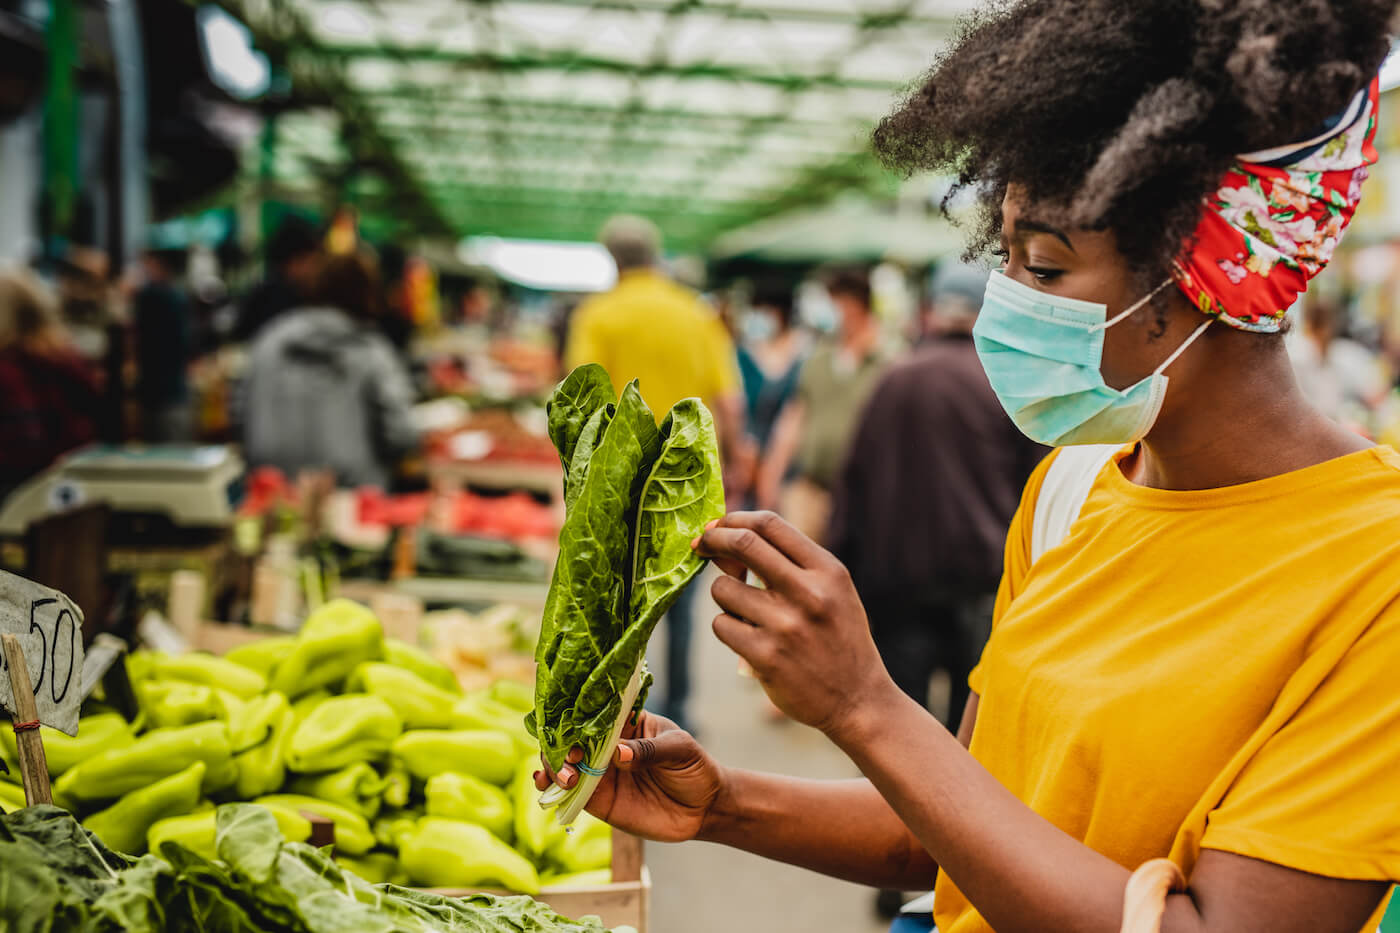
{"x":806,"y":635}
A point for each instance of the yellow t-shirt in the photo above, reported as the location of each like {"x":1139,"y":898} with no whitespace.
{"x":654,"y":330}
{"x":1210,"y":669}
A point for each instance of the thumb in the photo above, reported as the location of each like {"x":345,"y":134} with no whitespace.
{"x":667,"y":748}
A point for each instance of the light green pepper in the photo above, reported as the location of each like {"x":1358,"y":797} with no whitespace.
{"x":441,"y":853}
{"x":210,"y":671}
{"x":194,"y":831}
{"x":352,"y":833}
{"x":358,"y":787}
{"x":488,"y":755}
{"x":261,"y":736}
{"x":419,"y":704}
{"x":398,"y":784}
{"x":514,"y":694}
{"x":481,"y":711}
{"x":303,"y":705}
{"x":171,"y":703}
{"x":255,"y":721}
{"x":342,"y":731}
{"x":335,"y":639}
{"x":587,"y":848}
{"x":155,"y":755}
{"x":374,"y":867}
{"x":262,"y":655}
{"x":536,"y":830}
{"x":123,"y":825}
{"x":464,"y":797}
{"x":596,"y":878}
{"x":95,"y":733}
{"x":12,"y":797}
{"x":409,"y":657}
{"x":198,"y":831}
{"x":391,"y":826}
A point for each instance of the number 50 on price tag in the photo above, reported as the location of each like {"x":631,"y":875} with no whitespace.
{"x":50,"y":627}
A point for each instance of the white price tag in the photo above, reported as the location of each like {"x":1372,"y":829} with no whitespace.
{"x":50,"y":627}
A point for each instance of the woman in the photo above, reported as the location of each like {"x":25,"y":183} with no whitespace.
{"x":1204,"y":668}
{"x":770,"y":360}
{"x":325,"y":390}
{"x":49,"y":397}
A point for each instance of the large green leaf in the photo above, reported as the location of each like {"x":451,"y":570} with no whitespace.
{"x":582,"y":393}
{"x":586,"y":612}
{"x":684,"y":491}
{"x":634,"y":501}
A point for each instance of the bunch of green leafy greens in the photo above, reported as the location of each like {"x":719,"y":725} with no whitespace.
{"x":635,"y":496}
{"x":55,"y":876}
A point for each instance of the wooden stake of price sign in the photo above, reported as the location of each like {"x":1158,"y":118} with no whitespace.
{"x":41,"y":631}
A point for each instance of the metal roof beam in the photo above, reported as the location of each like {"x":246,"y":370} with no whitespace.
{"x":414,"y":100}
{"x":446,"y":193}
{"x":491,"y":62}
{"x":875,"y":19}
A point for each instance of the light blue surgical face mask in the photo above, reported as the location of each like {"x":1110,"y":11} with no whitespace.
{"x":1043,"y":354}
{"x":759,"y":326}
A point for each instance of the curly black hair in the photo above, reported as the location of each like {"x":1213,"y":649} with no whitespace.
{"x":1121,"y":114}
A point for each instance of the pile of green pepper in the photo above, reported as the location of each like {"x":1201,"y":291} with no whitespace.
{"x":424,"y":785}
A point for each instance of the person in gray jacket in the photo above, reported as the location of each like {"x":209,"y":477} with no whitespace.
{"x":325,"y":390}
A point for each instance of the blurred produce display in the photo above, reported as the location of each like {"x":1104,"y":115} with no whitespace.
{"x":495,"y":434}
{"x":485,"y":648}
{"x":424,"y":782}
{"x":233,"y":869}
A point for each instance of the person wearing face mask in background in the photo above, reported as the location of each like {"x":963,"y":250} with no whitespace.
{"x":771,"y":353}
{"x":813,"y":433}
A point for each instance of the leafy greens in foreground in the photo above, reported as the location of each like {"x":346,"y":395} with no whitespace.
{"x":635,"y":497}
{"x":55,"y":877}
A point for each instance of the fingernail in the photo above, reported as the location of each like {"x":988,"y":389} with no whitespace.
{"x":567,"y":776}
{"x":625,"y":754}
{"x":694,"y":543}
{"x":712,"y":524}
{"x":537,"y":776}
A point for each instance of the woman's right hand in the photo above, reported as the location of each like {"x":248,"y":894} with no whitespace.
{"x":662,"y":786}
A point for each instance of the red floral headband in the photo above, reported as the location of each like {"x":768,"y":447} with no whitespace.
{"x":1276,"y":220}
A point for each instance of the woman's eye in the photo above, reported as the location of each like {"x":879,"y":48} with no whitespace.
{"x":1044,"y":276}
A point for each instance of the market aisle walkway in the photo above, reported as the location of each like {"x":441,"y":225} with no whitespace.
{"x":708,"y":889}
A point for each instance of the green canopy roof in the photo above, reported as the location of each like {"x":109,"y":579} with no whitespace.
{"x":540,"y":118}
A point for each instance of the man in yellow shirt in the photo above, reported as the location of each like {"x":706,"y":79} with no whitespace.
{"x":656,"y":331}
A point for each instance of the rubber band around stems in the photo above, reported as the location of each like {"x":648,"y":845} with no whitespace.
{"x":591,"y":772}
{"x":26,"y":726}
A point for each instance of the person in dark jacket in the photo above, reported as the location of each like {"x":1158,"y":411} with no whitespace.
{"x":164,"y":338}
{"x":926,"y":494}
{"x":325,"y":390}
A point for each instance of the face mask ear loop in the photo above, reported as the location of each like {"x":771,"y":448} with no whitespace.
{"x":1184,"y":346}
{"x":1120,"y":316}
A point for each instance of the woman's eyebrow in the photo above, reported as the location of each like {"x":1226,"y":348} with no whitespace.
{"x":1025,"y":226}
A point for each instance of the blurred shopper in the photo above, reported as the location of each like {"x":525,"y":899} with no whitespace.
{"x":813,"y":434}
{"x":48,"y":393}
{"x":324,"y":389}
{"x":770,"y":361}
{"x":922,"y":505}
{"x":293,"y":263}
{"x":1342,"y":377}
{"x":163,"y":328}
{"x":659,"y":332}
